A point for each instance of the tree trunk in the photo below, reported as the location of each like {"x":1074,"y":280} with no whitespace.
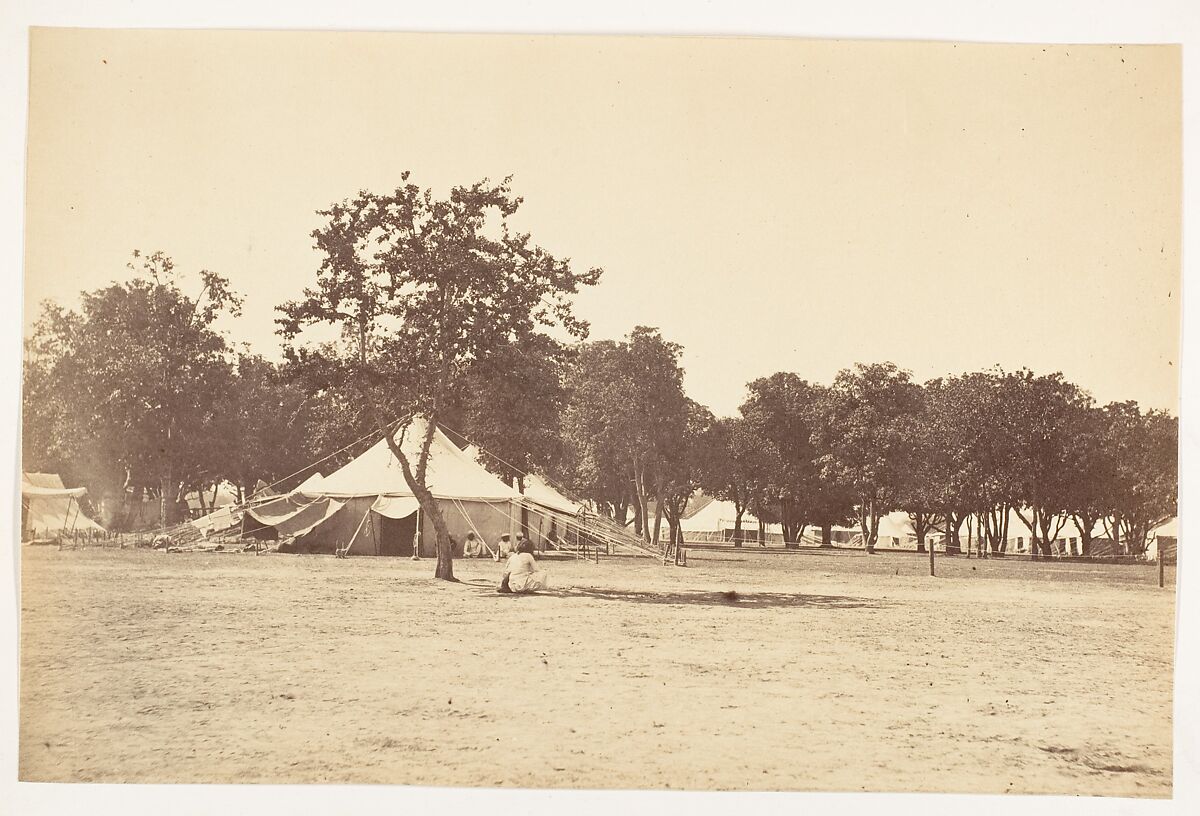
{"x":524,"y":509}
{"x":164,"y":500}
{"x":658,"y":514}
{"x":444,"y":569}
{"x":953,"y":541}
{"x":1084,"y":523}
{"x":920,"y":528}
{"x":869,"y":524}
{"x":827,"y":535}
{"x":737,"y":525}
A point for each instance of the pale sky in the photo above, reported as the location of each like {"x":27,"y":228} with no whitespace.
{"x":769,"y":204}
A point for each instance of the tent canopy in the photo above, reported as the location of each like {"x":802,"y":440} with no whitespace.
{"x":451,"y":473}
{"x":538,"y":490}
{"x":716,"y":515}
{"x":50,"y":507}
{"x":226,"y":494}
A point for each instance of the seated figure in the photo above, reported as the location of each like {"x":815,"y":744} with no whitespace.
{"x":521,"y":573}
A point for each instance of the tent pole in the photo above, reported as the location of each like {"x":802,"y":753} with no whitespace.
{"x":1158,"y":545}
{"x":416,"y":556}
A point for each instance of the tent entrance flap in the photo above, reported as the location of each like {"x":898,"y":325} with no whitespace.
{"x":396,"y":535}
{"x":395,"y":507}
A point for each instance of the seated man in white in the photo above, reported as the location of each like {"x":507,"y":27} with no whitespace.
{"x":521,"y":573}
{"x":473,"y":546}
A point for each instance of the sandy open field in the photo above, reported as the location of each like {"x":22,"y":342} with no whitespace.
{"x":826,"y":672}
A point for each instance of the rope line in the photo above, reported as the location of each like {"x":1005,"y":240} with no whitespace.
{"x":354,"y":537}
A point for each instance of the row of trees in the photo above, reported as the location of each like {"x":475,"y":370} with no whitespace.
{"x":987,"y":445}
{"x":444,"y":310}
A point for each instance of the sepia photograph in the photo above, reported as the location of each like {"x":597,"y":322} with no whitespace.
{"x":599,"y":412}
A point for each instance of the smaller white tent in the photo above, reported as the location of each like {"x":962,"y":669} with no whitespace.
{"x":312,"y":484}
{"x":715,"y":520}
{"x":540,"y":491}
{"x":208,"y":500}
{"x":716,"y":515}
{"x":49,"y":508}
{"x":1164,"y":537}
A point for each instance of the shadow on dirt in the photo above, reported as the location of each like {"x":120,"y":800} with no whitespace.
{"x":749,"y":600}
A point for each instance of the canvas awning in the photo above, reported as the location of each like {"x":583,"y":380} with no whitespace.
{"x":53,"y":493}
{"x":293,"y":516}
{"x":221,"y":519}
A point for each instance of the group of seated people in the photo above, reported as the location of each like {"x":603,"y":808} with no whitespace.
{"x":520,"y":570}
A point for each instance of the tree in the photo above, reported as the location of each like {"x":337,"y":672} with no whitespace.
{"x":964,"y":461}
{"x":1046,"y":414}
{"x":625,"y":416}
{"x":791,"y":416}
{"x":923,"y":493}
{"x":1145,"y":480}
{"x":513,"y":404}
{"x":735,"y":467}
{"x":139,"y":372}
{"x":866,"y":442}
{"x":1089,"y":491}
{"x":430,"y":287}
{"x":594,"y":423}
{"x":683,"y":468}
{"x":262,"y":415}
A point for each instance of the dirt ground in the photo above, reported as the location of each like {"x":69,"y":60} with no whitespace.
{"x":823,"y":672}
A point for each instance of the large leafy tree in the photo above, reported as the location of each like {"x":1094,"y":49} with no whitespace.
{"x":268,"y":418}
{"x":1089,"y":492}
{"x":595,"y":423}
{"x":684,"y":467}
{"x":780,"y":409}
{"x":794,"y":419}
{"x":513,"y":403}
{"x":1045,"y":415}
{"x":923,"y":494}
{"x":985,"y":423}
{"x":133,"y":381}
{"x":735,"y":467}
{"x":866,"y":441}
{"x":1145,"y":473}
{"x":424,"y":288}
{"x":626,"y":415}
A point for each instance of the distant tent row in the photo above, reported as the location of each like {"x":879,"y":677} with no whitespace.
{"x":367,"y":508}
{"x":712,"y":520}
{"x":48,"y":509}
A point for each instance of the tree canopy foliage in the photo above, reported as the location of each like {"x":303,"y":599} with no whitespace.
{"x":444,"y":309}
{"x":425,"y":290}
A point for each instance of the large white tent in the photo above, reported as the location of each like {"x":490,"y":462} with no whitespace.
{"x":368,"y":507}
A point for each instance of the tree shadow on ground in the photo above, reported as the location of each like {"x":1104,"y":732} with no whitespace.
{"x":749,"y":600}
